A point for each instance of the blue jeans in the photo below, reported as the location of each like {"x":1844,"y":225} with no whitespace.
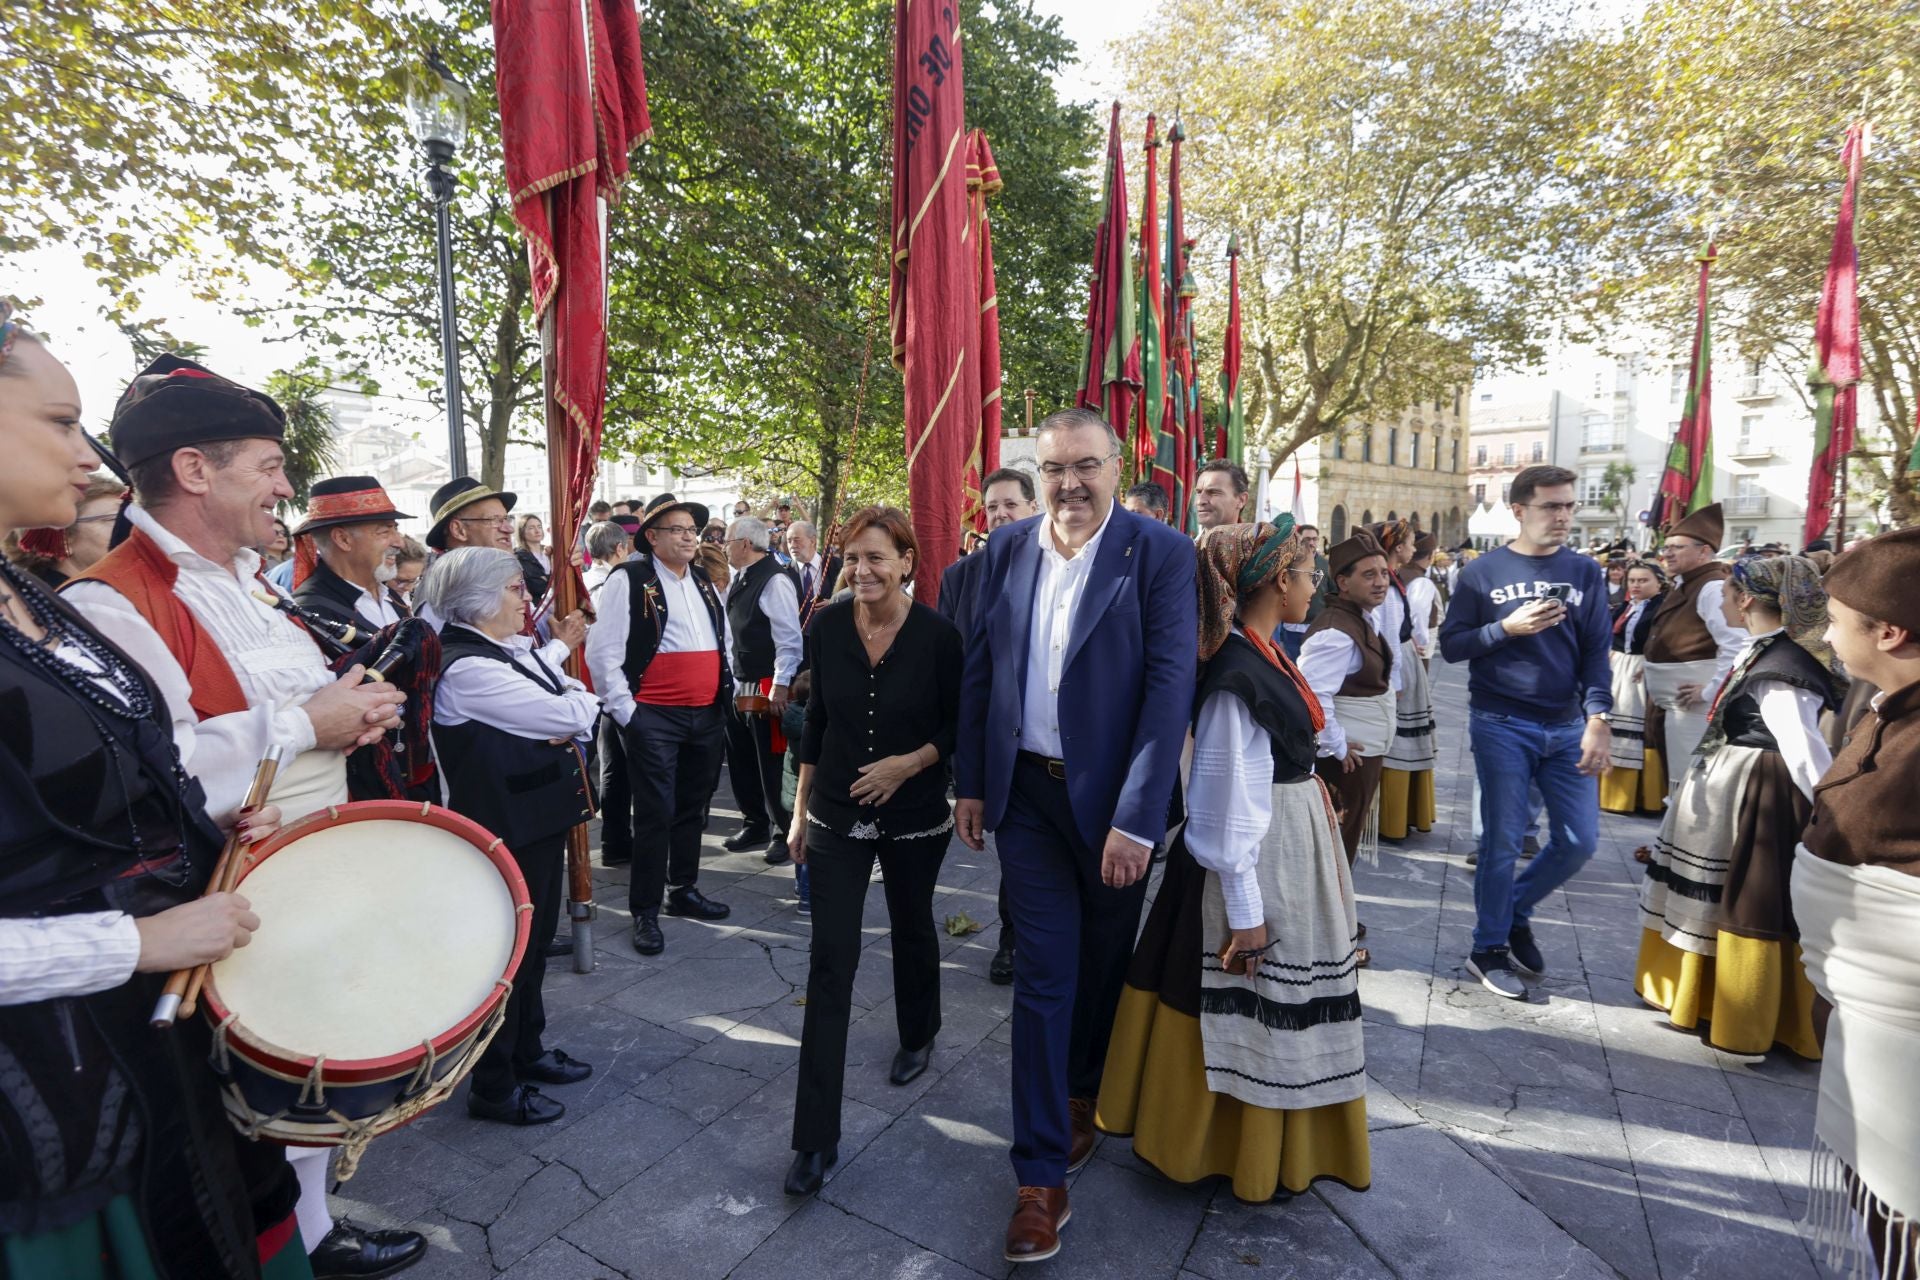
{"x":1511,"y":756}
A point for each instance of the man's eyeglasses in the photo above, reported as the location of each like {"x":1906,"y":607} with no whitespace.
{"x":503,"y":522}
{"x":1084,"y":470}
{"x":1555,"y":508}
{"x":676,"y":530}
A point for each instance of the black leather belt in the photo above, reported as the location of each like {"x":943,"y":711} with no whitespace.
{"x":1056,"y":769}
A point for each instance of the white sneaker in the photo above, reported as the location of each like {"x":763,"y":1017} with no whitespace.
{"x":1495,"y":970}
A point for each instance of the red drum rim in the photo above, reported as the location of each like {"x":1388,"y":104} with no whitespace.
{"x":376,"y":1070}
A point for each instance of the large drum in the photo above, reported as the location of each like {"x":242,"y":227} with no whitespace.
{"x":389,"y":936}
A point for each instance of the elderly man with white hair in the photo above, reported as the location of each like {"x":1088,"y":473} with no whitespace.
{"x":763,"y":616}
{"x":508,"y":728}
{"x":816,"y":569}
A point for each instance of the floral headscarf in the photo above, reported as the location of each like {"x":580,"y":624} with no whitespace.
{"x":1235,"y":561}
{"x":1790,"y":586}
{"x":1391,"y":533}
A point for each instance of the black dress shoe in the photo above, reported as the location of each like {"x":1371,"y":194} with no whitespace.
{"x":777,"y":855}
{"x":524,"y":1105}
{"x":746,"y":838}
{"x":647,"y":938}
{"x":808,"y":1170}
{"x":1000,"y":972}
{"x":615,"y":859}
{"x":353,"y":1251}
{"x":689,"y":901}
{"x":554,"y":1067}
{"x":560,"y":946}
{"x":909,"y":1063}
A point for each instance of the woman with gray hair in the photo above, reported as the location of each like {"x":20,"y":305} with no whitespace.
{"x":508,"y":730}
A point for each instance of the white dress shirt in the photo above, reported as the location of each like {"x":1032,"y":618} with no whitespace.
{"x":688,"y":630}
{"x":277,"y":664}
{"x":1634,"y":610}
{"x":486,"y":691}
{"x":1728,"y":640}
{"x":1421,"y":595}
{"x":1057,"y":593}
{"x":780,"y":602}
{"x":1326,"y":660}
{"x":1230,"y":802}
{"x":1386,"y":620}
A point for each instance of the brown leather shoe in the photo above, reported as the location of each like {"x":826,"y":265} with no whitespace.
{"x":1034,"y":1233}
{"x":1080,"y":1111}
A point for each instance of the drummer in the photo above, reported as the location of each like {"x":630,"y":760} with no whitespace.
{"x":100,"y":894}
{"x":509,"y":728}
{"x":236,"y":675}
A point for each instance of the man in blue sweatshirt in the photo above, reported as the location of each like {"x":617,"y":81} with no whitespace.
{"x":1532,"y":620}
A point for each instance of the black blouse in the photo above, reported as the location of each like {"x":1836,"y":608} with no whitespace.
{"x":860,"y":713}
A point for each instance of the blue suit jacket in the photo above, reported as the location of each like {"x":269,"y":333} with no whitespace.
{"x":960,"y":591}
{"x":1126,"y":689}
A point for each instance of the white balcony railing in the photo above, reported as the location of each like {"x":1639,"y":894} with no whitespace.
{"x":1747,"y":504}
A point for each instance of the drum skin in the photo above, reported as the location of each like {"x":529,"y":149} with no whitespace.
{"x":269,"y":1090}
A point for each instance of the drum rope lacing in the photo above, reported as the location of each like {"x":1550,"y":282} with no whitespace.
{"x":353,"y":1136}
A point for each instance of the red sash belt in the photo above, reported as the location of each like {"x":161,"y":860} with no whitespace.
{"x":690,"y":679}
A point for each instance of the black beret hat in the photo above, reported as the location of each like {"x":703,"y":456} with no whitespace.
{"x":175,"y":403}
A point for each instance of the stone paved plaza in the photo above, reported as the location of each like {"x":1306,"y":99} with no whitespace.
{"x":1573,"y":1134}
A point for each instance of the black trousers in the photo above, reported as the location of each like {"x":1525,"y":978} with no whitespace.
{"x":673,"y":765}
{"x":616,"y":799}
{"x":753,"y":767}
{"x":543,"y":863}
{"x":841,"y":870}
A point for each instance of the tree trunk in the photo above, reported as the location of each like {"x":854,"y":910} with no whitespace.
{"x":831,"y":452}
{"x":503,"y":382}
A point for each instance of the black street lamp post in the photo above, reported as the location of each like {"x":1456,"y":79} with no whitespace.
{"x":438,"y":104}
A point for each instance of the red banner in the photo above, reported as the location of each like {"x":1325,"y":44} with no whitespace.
{"x":1110,"y":356}
{"x":983,"y":180}
{"x":933,"y":298}
{"x":1836,"y":339}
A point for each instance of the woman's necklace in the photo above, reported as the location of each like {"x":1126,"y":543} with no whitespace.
{"x":132,"y":701}
{"x":887,"y":626}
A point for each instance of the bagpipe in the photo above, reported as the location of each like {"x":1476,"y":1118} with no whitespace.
{"x":405,"y":654}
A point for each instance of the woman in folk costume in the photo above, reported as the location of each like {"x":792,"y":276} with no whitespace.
{"x":1637,"y":782}
{"x":1406,"y":780}
{"x":1237,"y":1049}
{"x":1856,"y":896}
{"x":1720,"y":944}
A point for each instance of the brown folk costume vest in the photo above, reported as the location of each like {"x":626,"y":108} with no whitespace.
{"x":1678,"y":633}
{"x":139,"y":570}
{"x":1376,"y":651}
{"x":1863,"y":810}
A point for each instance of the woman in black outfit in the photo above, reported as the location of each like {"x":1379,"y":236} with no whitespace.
{"x":873,"y":784}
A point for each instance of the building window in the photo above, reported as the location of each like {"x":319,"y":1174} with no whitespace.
{"x":1593,"y":482}
{"x":1479,"y":455}
{"x":1539,"y":451}
{"x":1366,"y":450}
{"x":1339,"y":525}
{"x":1754,"y":383}
{"x":1457,"y":393}
{"x":1416,"y":449}
{"x":1456,"y":455}
{"x":1749,"y":499}
{"x":1677,"y":384}
{"x":1506,"y":493}
{"x":1393,"y":446}
{"x":1366,"y":517}
{"x":1506,"y":454}
{"x":1480,"y":495}
{"x":1339,"y":445}
{"x":1752,"y":434}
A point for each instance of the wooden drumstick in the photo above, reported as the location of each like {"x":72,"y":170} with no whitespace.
{"x":182,"y":992}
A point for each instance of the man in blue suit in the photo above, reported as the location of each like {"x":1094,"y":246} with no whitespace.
{"x":1007,"y":497}
{"x":1073,"y":710}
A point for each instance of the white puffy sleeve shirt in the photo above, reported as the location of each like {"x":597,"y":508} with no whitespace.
{"x":488,"y":692}
{"x":1230,"y":802}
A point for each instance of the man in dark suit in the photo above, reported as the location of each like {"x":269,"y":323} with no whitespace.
{"x":341,"y":565}
{"x":1073,"y":711}
{"x":817,"y":569}
{"x":1007,"y":497}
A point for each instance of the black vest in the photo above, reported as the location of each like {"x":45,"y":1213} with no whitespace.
{"x":647,"y":620}
{"x":1272,"y":700}
{"x":753,"y":651}
{"x":521,"y":789}
{"x":1780,"y":659}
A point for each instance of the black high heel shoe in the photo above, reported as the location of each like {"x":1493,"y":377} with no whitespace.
{"x":809,"y":1169}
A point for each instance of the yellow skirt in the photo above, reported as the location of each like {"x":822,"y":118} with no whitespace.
{"x":1406,"y":800}
{"x":1753,"y":995}
{"x":1642,"y":790}
{"x":1155,"y":1088}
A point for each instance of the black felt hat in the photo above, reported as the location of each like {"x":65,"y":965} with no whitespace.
{"x":451,"y":498}
{"x":665,"y":505}
{"x":175,"y":403}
